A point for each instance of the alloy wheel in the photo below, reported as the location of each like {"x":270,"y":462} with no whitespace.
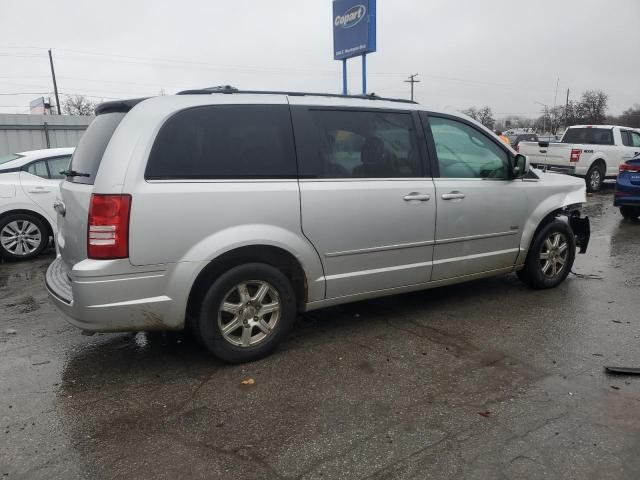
{"x":553,"y":255}
{"x":595,"y":179}
{"x":249,"y":313}
{"x":20,"y":237}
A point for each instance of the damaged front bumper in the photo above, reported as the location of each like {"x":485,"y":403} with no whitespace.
{"x":581,"y":229}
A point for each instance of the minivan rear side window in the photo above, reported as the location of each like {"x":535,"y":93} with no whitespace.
{"x":589,"y":136}
{"x":88,"y":154}
{"x":224,"y":142}
{"x":357,"y":144}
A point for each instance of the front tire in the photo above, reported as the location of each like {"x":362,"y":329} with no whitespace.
{"x":550,"y":257}
{"x":629,"y":212}
{"x":595,"y":178}
{"x":246,"y":313}
{"x":22,"y":237}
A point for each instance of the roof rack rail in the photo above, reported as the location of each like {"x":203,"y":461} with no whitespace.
{"x":228,"y":89}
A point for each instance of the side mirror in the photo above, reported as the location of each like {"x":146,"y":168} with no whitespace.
{"x":543,"y":144}
{"x":520,"y":166}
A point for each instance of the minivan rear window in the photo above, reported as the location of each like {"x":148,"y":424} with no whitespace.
{"x":590,"y":136}
{"x":225,"y":142}
{"x":88,"y":154}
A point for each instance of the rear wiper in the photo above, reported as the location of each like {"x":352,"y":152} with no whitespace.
{"x":73,"y":173}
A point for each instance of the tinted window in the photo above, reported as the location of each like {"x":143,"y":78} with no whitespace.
{"x":360,"y":144}
{"x":88,"y":154}
{"x":626,"y":138}
{"x":590,"y":136}
{"x":635,"y":139}
{"x":236,"y":141}
{"x":39,"y":169}
{"x":57,"y":165}
{"x":465,"y":152}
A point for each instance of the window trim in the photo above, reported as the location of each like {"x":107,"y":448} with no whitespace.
{"x":302,"y":123}
{"x":426,"y":115}
{"x":223,"y":178}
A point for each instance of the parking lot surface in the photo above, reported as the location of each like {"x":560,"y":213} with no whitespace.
{"x":483,"y":380}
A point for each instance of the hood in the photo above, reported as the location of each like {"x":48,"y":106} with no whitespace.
{"x":575,"y":187}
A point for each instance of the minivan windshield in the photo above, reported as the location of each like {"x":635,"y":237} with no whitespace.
{"x":88,"y":154}
{"x":593,"y":136}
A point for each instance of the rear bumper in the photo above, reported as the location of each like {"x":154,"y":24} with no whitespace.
{"x":626,"y":199}
{"x":115,"y":303}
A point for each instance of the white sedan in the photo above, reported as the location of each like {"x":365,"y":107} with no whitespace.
{"x":29,"y":183}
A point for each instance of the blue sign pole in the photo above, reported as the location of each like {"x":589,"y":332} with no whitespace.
{"x":344,"y":76}
{"x":354,"y":34}
{"x":364,"y":74}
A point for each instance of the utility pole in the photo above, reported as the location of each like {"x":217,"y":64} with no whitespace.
{"x":566,"y":109}
{"x":412,"y":80}
{"x":55,"y":85}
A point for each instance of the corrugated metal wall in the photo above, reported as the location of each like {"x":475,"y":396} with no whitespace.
{"x":19,"y":133}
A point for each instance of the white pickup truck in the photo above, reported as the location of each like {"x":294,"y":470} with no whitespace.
{"x":591,"y":151}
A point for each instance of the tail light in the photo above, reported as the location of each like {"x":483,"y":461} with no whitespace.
{"x":625,"y":167}
{"x":575,"y":155}
{"x":108,"y":227}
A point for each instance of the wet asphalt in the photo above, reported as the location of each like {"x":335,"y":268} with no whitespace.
{"x":484,"y":380}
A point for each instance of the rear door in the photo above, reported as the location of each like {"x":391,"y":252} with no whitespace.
{"x":76,"y":190}
{"x":481,"y":212}
{"x":367,"y":198}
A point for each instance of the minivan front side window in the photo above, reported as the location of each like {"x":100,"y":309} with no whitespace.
{"x":465,"y":152}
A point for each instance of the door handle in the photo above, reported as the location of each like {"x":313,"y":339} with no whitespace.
{"x":39,"y":190}
{"x":453,"y":196}
{"x":421,"y":197}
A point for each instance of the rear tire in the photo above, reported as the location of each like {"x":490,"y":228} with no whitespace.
{"x":22,"y":237}
{"x":246,"y":313}
{"x":595,"y":178}
{"x":629,"y":212}
{"x":550,"y":257}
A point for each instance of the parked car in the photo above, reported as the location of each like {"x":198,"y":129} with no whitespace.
{"x":591,"y":151}
{"x":28,"y":186}
{"x":522,"y":137}
{"x":227,"y":212}
{"x":627,"y":194}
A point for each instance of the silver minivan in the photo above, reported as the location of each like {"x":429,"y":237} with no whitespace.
{"x":228,"y":212}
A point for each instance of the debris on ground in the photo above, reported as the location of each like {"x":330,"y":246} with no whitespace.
{"x":623,"y":370}
{"x":485,"y":414}
{"x":248,"y":381}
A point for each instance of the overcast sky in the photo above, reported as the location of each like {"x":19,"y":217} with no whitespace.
{"x":505,"y":54}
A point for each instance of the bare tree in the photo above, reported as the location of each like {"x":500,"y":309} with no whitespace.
{"x":483,"y":115}
{"x":593,"y":106}
{"x":78,"y":105}
{"x":629,"y":118}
